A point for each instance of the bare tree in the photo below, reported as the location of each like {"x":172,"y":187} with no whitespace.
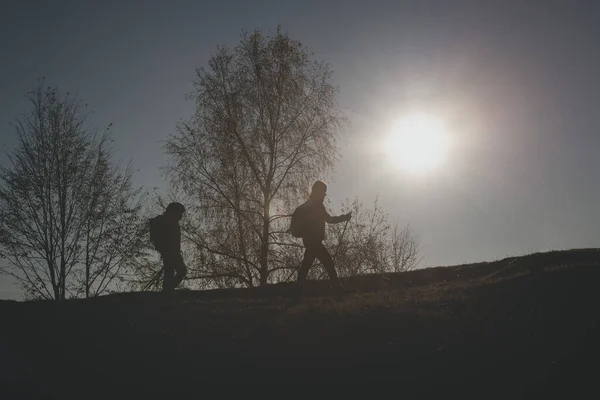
{"x":264,"y":128}
{"x":403,"y":250}
{"x":68,"y":219}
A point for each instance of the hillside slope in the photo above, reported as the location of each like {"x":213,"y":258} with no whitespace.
{"x":516,"y":327}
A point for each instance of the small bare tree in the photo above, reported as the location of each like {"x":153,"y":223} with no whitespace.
{"x":264,"y":129}
{"x":68,"y":219}
{"x":403,"y":250}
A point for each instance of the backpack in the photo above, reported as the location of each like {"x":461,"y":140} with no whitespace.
{"x":156,"y":231}
{"x":297,"y":222}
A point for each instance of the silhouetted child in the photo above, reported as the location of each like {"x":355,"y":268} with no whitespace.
{"x":165,"y":234}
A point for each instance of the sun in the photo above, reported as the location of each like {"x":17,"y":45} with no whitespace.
{"x":417,"y":143}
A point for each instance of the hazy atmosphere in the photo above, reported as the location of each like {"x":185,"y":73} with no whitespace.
{"x":514,"y":86}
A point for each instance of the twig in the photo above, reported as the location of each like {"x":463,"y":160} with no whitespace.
{"x":154,"y":280}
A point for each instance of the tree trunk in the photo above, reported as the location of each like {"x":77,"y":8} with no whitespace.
{"x":264,"y":244}
{"x":87,"y":280}
{"x":87,"y":263}
{"x":56,"y":288}
{"x":55,"y":285}
{"x":63,"y":281}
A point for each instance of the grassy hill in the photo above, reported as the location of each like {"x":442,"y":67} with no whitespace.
{"x":519,"y":327}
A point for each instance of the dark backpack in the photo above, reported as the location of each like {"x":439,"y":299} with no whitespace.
{"x":156,"y":230}
{"x":297,"y":222}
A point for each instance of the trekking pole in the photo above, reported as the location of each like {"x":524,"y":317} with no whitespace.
{"x":340,"y":241}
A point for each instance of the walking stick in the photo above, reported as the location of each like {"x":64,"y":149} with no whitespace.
{"x":340,"y":241}
{"x":334,"y":254}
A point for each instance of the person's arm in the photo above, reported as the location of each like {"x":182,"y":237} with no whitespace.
{"x":336,"y":219}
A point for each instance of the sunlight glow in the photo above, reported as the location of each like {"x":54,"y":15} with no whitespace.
{"x":417,"y":143}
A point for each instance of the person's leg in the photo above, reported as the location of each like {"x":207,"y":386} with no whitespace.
{"x":307,"y":261}
{"x":180,"y":268}
{"x":323,"y":255}
{"x":168,"y":273}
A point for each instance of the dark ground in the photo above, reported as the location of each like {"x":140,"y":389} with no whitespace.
{"x":515,"y":328}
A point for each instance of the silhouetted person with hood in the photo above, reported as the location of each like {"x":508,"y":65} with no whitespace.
{"x":165,"y":233}
{"x":312,"y":217}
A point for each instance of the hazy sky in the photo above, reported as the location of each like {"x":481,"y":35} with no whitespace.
{"x":516,"y":83}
